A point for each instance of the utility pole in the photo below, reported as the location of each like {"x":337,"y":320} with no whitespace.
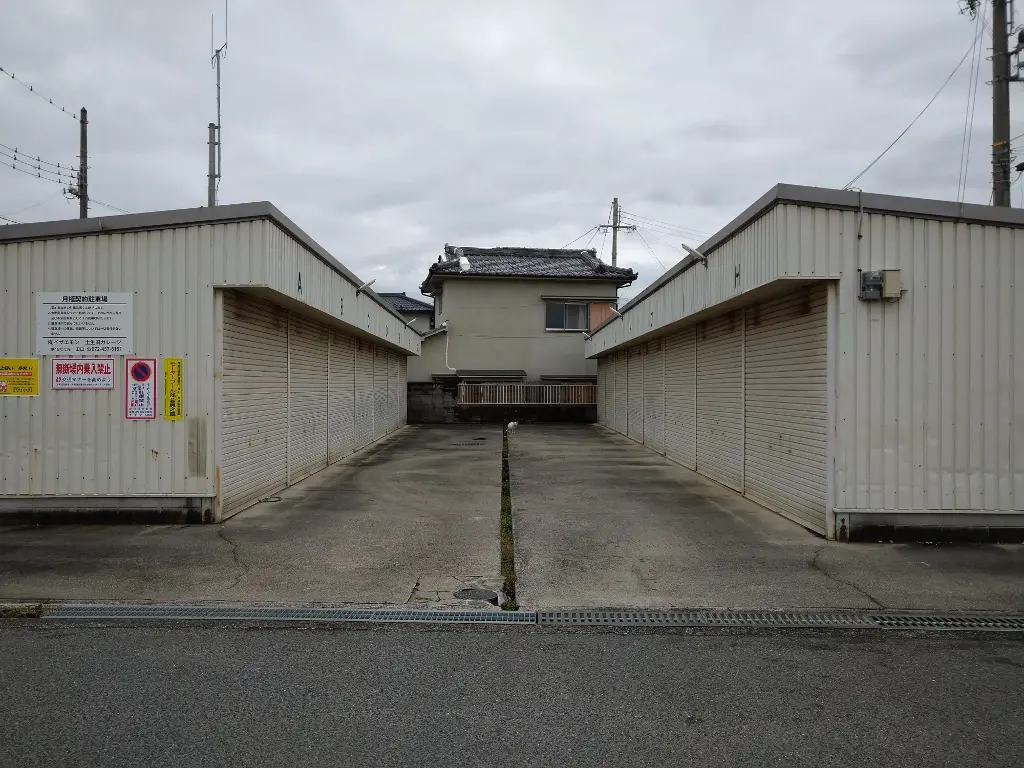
{"x":615,"y":231}
{"x":83,"y":165}
{"x":1000,"y":105}
{"x":211,"y":186}
{"x":615,"y":226}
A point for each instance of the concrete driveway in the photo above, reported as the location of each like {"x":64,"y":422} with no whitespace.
{"x":406,"y":521}
{"x":601,"y":521}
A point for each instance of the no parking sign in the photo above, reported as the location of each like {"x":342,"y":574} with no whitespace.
{"x":140,"y":388}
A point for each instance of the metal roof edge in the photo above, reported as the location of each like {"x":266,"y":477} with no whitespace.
{"x":841,"y":199}
{"x":181,"y":217}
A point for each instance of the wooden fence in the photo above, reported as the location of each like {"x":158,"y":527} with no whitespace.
{"x":527,"y":394}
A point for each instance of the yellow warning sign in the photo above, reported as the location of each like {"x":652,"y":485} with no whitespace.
{"x":19,"y":376}
{"x":174,"y":388}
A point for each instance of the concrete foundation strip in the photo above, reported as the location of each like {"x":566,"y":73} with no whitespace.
{"x":553,"y":618}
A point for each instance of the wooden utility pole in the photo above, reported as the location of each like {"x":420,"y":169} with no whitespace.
{"x":615,"y":226}
{"x":1000,"y":105}
{"x":83,"y":165}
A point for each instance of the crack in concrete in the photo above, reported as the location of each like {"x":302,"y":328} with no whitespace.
{"x":413,"y":592}
{"x":239,"y":563}
{"x":821,"y":569}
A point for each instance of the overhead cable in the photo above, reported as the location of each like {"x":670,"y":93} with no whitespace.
{"x":871,"y":165}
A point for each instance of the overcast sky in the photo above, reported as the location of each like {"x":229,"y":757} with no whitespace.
{"x":386,"y":129}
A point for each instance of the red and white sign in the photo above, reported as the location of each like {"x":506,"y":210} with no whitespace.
{"x":140,"y":388}
{"x":91,"y":373}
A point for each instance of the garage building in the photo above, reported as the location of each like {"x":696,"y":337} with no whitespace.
{"x":854,"y":362}
{"x":185,"y":364}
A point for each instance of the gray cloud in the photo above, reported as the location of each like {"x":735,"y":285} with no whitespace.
{"x":387,"y":129}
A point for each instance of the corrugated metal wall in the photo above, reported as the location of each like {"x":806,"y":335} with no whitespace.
{"x":380,"y":392}
{"x":290,"y":398}
{"x":681,"y":398}
{"x":786,"y":419}
{"x":70,"y":443}
{"x":720,"y":399}
{"x":307,"y":397}
{"x":365,"y":400}
{"x":394,"y":409}
{"x":403,"y":389}
{"x":602,"y":390}
{"x":744,"y":263}
{"x":927,"y":416}
{"x":621,"y":380}
{"x":254,"y":401}
{"x":635,"y":393}
{"x":341,"y":429}
{"x":78,"y":442}
{"x":654,"y":396}
{"x":929,"y":411}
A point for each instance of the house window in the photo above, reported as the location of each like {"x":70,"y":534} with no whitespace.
{"x":567,"y":316}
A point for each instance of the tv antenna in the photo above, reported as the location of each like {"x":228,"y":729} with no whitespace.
{"x":215,"y":140}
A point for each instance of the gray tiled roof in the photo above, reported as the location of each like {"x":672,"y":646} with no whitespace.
{"x":404,"y":303}
{"x":557,"y":263}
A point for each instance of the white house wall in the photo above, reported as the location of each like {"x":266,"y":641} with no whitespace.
{"x":70,"y":443}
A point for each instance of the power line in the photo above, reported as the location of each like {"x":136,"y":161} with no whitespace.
{"x":666,"y":224}
{"x":36,"y":175}
{"x":39,"y":170}
{"x":649,"y":249}
{"x":654,"y":235}
{"x":107,"y":205}
{"x":972,"y":101}
{"x":665,"y":230}
{"x":8,"y":218}
{"x":592,"y":229}
{"x":39,"y":160}
{"x":33,"y":173}
{"x":31,"y":89}
{"x":904,"y":131}
{"x":36,"y":205}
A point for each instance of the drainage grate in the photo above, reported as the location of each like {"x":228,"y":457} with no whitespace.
{"x":551,"y":618}
{"x":288,"y":613}
{"x":913,"y":621}
{"x":789,"y":619}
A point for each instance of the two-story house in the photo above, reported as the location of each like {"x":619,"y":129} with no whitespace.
{"x":515,"y":314}
{"x":420,"y":314}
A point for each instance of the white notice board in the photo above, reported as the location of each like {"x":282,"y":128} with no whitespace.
{"x":70,"y":323}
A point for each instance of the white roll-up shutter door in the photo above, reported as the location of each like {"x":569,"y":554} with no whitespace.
{"x":680,"y":398}
{"x":364,"y":393}
{"x":403,"y":389}
{"x":786,"y":423}
{"x":393,"y":403}
{"x":254,"y":427}
{"x":341,"y":428}
{"x":720,"y":399}
{"x":654,"y":396}
{"x":307,"y":397}
{"x":380,"y":392}
{"x":619,"y":420}
{"x":635,"y":393}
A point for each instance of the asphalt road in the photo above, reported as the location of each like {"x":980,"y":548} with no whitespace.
{"x":175,"y":695}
